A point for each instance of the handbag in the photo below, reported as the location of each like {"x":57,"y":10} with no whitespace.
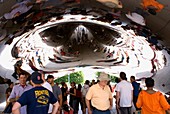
{"x":8,"y":108}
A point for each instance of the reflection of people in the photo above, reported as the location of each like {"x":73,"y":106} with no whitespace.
{"x":137,"y":18}
{"x":19,"y":9}
{"x":152,"y":6}
{"x":112,"y":3}
{"x":100,"y":96}
{"x":40,"y":62}
{"x":40,"y":98}
{"x":152,"y":102}
{"x":19,"y":89}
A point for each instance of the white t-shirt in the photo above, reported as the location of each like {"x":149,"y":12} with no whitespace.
{"x":85,"y":90}
{"x":125,"y":88}
{"x":48,"y":86}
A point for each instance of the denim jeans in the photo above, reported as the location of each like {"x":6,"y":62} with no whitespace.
{"x":95,"y":111}
{"x":73,"y":105}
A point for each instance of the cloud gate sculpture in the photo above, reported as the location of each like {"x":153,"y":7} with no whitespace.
{"x":57,"y":38}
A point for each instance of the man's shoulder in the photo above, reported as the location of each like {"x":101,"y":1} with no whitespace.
{"x":124,"y":83}
{"x":135,"y":84}
{"x":38,"y":89}
{"x":16,"y":86}
{"x":127,"y":82}
{"x":120,"y":83}
{"x":94,"y":86}
{"x":28,"y":85}
{"x":47,"y":86}
{"x":29,"y":91}
{"x":56,"y":88}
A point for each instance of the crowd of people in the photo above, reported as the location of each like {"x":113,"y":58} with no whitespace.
{"x":37,"y":85}
{"x":44,"y":96}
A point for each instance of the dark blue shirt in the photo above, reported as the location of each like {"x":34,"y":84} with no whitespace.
{"x":136,"y":88}
{"x":37,"y":100}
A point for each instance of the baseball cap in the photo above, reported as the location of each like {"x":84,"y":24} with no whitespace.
{"x":36,"y":78}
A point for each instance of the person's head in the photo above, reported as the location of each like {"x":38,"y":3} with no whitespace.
{"x":62,"y":84}
{"x":56,"y":83}
{"x":22,"y":78}
{"x":122,"y":76}
{"x":132,"y":78}
{"x":73,"y":84}
{"x":149,"y":82}
{"x":93,"y":81}
{"x":87,"y":82}
{"x":50,"y":79}
{"x":11,"y":84}
{"x":79,"y":87}
{"x":36,"y":78}
{"x":117,"y":80}
{"x":103,"y":78}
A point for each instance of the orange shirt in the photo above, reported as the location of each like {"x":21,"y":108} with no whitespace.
{"x":154,"y":3}
{"x":152,"y":103}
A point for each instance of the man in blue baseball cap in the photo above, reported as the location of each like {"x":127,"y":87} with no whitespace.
{"x":37,"y":99}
